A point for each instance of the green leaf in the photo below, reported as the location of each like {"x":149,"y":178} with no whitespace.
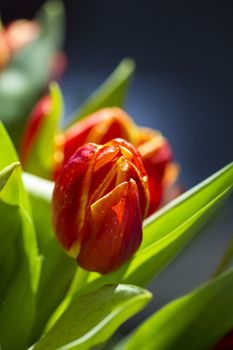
{"x":92,"y":318}
{"x":196,"y":321}
{"x":7,"y":258}
{"x":57,"y":267}
{"x":111,"y":93}
{"x":22,"y":82}
{"x":165,"y":234}
{"x":40,"y":161}
{"x":19,"y":260}
{"x":186,"y":205}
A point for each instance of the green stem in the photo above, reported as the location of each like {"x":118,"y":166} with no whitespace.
{"x":79,"y":280}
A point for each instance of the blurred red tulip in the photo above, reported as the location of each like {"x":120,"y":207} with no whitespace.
{"x":100,"y":127}
{"x":34,"y":123}
{"x":99,"y":201}
{"x":14,"y":37}
{"x":20,"y":33}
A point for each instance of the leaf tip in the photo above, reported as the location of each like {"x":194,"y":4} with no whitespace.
{"x":6,"y":173}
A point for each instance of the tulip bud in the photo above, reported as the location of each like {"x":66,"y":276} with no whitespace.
{"x":35,"y":121}
{"x":100,"y":127}
{"x":99,"y":201}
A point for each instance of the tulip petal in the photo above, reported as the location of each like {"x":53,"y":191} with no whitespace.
{"x":114,"y":229}
{"x":100,"y":127}
{"x":70,"y":197}
{"x":156,"y":164}
{"x":126,"y":170}
{"x":135,"y":155}
{"x":76,"y":136}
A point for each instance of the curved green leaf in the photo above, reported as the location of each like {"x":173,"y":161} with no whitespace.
{"x":92,"y":318}
{"x":19,"y":260}
{"x":186,"y":205}
{"x":22,"y":82}
{"x":7,"y":214}
{"x":111,"y":93}
{"x":196,"y":321}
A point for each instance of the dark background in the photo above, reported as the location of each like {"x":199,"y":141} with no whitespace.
{"x":183,"y":86}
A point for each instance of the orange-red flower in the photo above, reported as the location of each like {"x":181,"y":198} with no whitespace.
{"x":100,"y":127}
{"x":34,"y":123}
{"x":109,"y":123}
{"x":14,"y":37}
{"x":99,"y":201}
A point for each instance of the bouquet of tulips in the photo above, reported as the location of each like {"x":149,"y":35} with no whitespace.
{"x":91,"y":211}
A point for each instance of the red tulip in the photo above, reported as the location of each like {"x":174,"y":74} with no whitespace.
{"x":35,"y":121}
{"x":109,"y":123}
{"x":99,"y":201}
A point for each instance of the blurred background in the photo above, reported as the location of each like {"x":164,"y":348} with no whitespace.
{"x":183,"y":86}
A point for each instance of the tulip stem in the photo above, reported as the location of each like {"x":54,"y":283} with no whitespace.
{"x":78,"y":281}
